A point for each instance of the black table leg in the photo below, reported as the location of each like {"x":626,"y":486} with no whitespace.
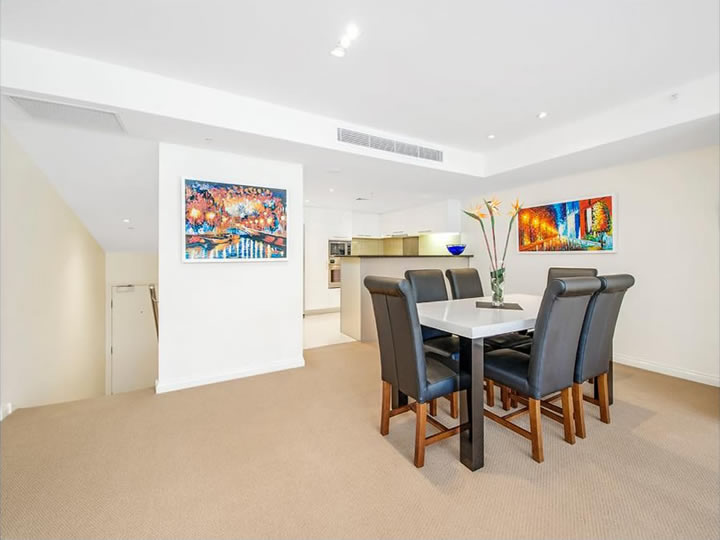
{"x":398,"y":398}
{"x":472,"y":408}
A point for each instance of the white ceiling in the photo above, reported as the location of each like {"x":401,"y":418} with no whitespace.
{"x":451,"y":72}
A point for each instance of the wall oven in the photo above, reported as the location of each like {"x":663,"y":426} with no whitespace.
{"x":333,"y":273}
{"x":339,"y":248}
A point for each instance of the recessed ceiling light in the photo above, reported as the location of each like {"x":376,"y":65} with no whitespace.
{"x":208,"y":139}
{"x":491,"y":136}
{"x":338,"y":52}
{"x":542,"y":115}
{"x":307,"y":201}
{"x":126,"y":220}
{"x":331,"y":190}
{"x":352,"y":31}
{"x":345,"y":41}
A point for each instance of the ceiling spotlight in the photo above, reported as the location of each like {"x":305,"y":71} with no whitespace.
{"x":352,"y":31}
{"x":331,"y":190}
{"x":542,"y":115}
{"x":491,"y":136}
{"x":338,"y":52}
{"x":126,"y":220}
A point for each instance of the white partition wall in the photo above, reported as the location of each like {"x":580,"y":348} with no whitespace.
{"x":220,"y":321}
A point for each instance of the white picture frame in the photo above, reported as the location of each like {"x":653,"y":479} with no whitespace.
{"x":239,"y":247}
{"x":614,"y":214}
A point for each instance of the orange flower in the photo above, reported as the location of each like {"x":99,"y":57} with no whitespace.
{"x":516,"y":206}
{"x":477,"y":212}
{"x":494,"y":205}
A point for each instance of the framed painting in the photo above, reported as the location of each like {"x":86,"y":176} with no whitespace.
{"x":577,"y":226}
{"x":226,"y":222}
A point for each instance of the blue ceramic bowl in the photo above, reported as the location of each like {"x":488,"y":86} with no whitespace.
{"x":455,"y":249}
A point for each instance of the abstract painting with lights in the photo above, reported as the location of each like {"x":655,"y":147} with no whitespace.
{"x":583,"y":225}
{"x":233,"y":222}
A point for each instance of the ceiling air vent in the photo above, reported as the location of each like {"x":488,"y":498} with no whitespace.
{"x":60,"y":113}
{"x":388,"y":145}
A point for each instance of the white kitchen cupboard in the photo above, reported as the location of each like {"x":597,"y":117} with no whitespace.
{"x":440,"y":217}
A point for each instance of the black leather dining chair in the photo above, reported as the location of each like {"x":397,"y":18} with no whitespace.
{"x":549,"y":367}
{"x":405,"y":364}
{"x":595,"y":346}
{"x":560,"y":272}
{"x":429,"y":286}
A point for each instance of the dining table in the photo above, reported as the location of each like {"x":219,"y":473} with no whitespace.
{"x":473,"y":324}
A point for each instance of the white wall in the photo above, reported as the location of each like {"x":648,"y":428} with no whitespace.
{"x":125,"y":268}
{"x":220,"y":321}
{"x":322,"y":225}
{"x":667,"y":237}
{"x":53,"y":293}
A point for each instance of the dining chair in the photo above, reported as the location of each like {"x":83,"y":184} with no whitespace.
{"x":429,"y":286}
{"x":405,"y":364}
{"x":595,"y":346}
{"x":558,"y":272}
{"x":549,"y":367}
{"x":466,"y":283}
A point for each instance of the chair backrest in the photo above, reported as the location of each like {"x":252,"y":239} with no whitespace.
{"x":596,"y":337}
{"x":557,"y":334}
{"x":464,"y":283}
{"x":401,"y":346}
{"x":428,"y":285}
{"x":563,"y":272}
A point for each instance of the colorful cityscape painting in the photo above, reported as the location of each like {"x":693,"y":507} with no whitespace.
{"x":233,"y":222}
{"x":581,"y":225}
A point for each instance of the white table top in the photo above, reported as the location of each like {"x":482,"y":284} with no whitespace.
{"x":463,"y":318}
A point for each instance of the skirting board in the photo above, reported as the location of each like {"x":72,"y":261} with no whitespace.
{"x":321,"y":311}
{"x":687,"y":374}
{"x":162,"y":387}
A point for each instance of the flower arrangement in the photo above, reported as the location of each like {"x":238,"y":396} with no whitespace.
{"x":497,"y":266}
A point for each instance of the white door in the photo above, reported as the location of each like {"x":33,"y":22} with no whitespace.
{"x":134,"y":343}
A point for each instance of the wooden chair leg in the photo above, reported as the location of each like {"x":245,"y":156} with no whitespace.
{"x":604,"y":398}
{"x":385,"y":408}
{"x":505,"y":397}
{"x":536,"y":430}
{"x":513,"y":399}
{"x":455,"y":405}
{"x":420,"y":422}
{"x":578,"y":410}
{"x":433,"y":407}
{"x":567,"y":408}
{"x":490,"y":393}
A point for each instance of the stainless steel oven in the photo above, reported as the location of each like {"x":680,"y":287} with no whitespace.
{"x":333,"y":273}
{"x":339,"y":248}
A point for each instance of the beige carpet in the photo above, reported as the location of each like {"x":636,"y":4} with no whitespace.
{"x":298,"y":454}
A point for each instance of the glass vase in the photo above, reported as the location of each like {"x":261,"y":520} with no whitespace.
{"x":497,"y":284}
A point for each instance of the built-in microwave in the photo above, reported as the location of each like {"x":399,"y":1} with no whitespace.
{"x":339,"y":248}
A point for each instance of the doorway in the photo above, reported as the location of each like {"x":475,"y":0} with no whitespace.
{"x":134,"y":338}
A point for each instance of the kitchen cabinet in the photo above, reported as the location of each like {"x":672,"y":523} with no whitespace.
{"x":439,"y":217}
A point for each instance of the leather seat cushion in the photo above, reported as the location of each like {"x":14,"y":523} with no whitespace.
{"x":509,"y":368}
{"x":508,"y":341}
{"x":441,"y":380}
{"x":432,"y":333}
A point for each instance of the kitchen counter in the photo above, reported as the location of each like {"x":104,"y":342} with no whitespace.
{"x":357,"y":319}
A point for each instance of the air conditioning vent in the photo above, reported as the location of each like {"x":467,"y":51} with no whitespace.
{"x":73,"y":115}
{"x":388,"y":145}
